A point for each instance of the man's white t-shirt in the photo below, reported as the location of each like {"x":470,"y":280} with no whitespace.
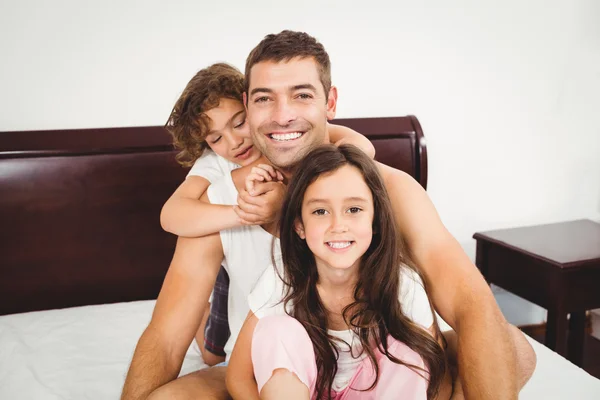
{"x":211,"y":167}
{"x":266,"y":299}
{"x":246,"y":253}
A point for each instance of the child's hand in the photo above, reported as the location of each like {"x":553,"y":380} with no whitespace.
{"x":261,"y":173}
{"x":343,"y":141}
{"x":262,"y":208}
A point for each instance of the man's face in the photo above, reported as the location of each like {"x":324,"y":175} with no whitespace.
{"x":288,"y":110}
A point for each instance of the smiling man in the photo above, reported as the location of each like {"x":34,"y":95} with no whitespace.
{"x":289,"y":99}
{"x":282,"y":127}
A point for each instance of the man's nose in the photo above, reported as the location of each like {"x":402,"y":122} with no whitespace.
{"x":283,"y":113}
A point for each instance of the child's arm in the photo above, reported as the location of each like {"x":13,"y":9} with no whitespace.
{"x":240,"y":373}
{"x":341,"y":135}
{"x":185,"y":215}
{"x":260,"y":202}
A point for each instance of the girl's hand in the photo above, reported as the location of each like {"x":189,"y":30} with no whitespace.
{"x":260,"y":203}
{"x":262,"y":208}
{"x":261,"y":173}
{"x":343,"y":141}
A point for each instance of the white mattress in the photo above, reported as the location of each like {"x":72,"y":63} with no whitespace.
{"x":84,"y":353}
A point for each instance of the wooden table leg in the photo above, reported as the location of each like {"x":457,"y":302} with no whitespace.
{"x":556,"y":331}
{"x":481,"y":259}
{"x":576,"y":337}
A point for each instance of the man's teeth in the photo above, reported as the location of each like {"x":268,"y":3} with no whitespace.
{"x":339,"y":245}
{"x":282,"y":137}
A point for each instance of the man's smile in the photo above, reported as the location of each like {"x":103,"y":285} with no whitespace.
{"x":285,"y":136}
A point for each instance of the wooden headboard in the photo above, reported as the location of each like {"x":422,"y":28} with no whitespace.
{"x":79,"y":209}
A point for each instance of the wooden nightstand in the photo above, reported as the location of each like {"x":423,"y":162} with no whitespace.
{"x":556,"y":266}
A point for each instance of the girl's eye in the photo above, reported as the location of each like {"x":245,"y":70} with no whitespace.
{"x":354,"y":210}
{"x":216,"y":140}
{"x":320,"y":211}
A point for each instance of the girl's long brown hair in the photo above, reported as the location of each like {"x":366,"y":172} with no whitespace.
{"x":376,"y":311}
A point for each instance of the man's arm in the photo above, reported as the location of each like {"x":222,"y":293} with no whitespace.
{"x":486,"y":351}
{"x":177,"y":315}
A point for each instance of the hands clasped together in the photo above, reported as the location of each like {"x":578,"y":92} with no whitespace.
{"x":260,"y":202}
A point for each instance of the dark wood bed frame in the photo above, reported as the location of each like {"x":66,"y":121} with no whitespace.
{"x":79,"y":209}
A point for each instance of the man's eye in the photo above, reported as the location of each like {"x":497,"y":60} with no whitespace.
{"x":354,"y":210}
{"x":261,"y":99}
{"x":304,"y":96}
{"x":320,"y":212}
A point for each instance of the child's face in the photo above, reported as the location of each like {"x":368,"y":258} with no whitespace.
{"x":337,"y":219}
{"x":229,"y":134}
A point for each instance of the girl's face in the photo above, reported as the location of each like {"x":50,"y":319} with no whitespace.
{"x":337,"y":219}
{"x":229,"y":134}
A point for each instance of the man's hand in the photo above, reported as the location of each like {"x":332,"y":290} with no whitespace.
{"x":260,"y":202}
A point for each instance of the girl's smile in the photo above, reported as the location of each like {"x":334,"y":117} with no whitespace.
{"x":339,"y":246}
{"x":337,"y":219}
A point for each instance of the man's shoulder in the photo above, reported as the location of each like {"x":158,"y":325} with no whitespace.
{"x":188,"y":250}
{"x":239,"y":176}
{"x":415,"y":213}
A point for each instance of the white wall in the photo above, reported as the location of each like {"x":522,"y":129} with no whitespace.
{"x":508,"y":94}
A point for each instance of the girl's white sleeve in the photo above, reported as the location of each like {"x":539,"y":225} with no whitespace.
{"x":413,"y":298}
{"x":211,"y":166}
{"x":267,"y":296}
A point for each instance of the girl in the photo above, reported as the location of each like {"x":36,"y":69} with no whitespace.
{"x":208,"y":125}
{"x":342,"y":314}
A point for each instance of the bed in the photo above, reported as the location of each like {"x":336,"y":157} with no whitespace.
{"x":83,"y":256}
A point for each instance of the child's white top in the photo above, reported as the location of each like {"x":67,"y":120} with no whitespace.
{"x":211,"y":167}
{"x":266,"y":299}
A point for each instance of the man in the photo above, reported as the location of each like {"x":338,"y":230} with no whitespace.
{"x":289,"y":99}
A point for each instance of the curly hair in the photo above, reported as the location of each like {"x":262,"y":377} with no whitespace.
{"x":188,"y":123}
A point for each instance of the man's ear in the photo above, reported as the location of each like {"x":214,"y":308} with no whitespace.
{"x":245,"y":100}
{"x":299,"y":228}
{"x":332,"y":103}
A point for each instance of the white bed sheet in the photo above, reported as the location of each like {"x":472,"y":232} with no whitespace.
{"x":84,"y":353}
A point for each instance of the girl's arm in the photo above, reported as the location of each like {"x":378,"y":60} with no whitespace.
{"x":240,"y":373}
{"x":185,"y":215}
{"x":341,"y":135}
